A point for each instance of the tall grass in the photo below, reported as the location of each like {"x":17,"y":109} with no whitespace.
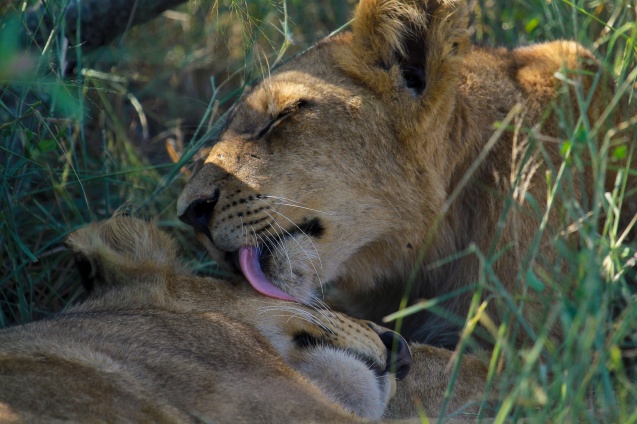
{"x":590,"y":376}
{"x":77,"y":145}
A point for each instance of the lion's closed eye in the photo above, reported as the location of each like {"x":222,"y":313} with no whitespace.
{"x":281,"y":116}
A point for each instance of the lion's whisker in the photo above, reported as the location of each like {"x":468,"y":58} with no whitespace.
{"x":318,"y":305}
{"x":298,"y":243}
{"x":271,"y":239}
{"x":296,"y":313}
{"x":300,"y":205}
{"x":313,"y":299}
{"x":306,"y":208}
{"x":243,"y":227}
{"x":277,"y":240}
{"x":302,"y":232}
{"x":284,"y":199}
{"x":263,"y":242}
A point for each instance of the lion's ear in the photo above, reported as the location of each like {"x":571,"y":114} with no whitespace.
{"x":410,"y":41}
{"x":93,"y":260}
{"x":121,"y":251}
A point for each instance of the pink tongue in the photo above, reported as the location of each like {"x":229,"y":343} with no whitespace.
{"x":249,"y":261}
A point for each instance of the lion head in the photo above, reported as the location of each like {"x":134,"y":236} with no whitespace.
{"x":315,"y":178}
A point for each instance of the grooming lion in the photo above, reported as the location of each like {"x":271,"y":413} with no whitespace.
{"x":385,"y":161}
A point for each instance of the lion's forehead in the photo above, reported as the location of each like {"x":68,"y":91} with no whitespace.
{"x":278,"y":91}
{"x":272,"y":98}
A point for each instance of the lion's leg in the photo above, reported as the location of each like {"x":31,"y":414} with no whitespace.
{"x":425,"y":386}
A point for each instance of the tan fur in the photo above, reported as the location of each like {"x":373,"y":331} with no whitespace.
{"x":385,"y":137}
{"x":164,"y":346}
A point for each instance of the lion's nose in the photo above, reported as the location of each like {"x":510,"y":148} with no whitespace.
{"x":399,"y":356}
{"x":198,"y":213}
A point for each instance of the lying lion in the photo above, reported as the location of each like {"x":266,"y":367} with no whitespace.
{"x":161,"y":346}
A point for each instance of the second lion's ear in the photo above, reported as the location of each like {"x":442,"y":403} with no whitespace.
{"x":87,"y":270}
{"x":401,"y":44}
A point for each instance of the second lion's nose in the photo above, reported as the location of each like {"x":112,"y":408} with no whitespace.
{"x":198,"y":213}
{"x":399,"y":357}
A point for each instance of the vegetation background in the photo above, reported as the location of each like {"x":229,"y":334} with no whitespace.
{"x":84,"y":132}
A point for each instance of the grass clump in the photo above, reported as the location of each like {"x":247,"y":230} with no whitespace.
{"x":590,"y":375}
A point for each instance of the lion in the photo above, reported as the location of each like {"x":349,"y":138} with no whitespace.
{"x":372,"y":167}
{"x":160,"y":345}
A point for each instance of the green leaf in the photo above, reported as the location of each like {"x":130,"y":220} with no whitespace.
{"x":65,"y":98}
{"x":581,"y":135}
{"x":23,"y":247}
{"x":47,"y":145}
{"x":620,"y":152}
{"x":616,"y":357}
{"x":531,"y":25}
{"x":566,"y":147}
{"x":8,"y":42}
{"x":534,"y":283}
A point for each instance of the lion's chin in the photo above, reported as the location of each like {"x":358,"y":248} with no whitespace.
{"x":286,"y":277}
{"x":251,"y":269}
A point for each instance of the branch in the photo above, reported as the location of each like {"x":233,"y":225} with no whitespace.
{"x":101,"y":20}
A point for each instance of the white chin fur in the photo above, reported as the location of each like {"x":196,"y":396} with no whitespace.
{"x":347,"y":381}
